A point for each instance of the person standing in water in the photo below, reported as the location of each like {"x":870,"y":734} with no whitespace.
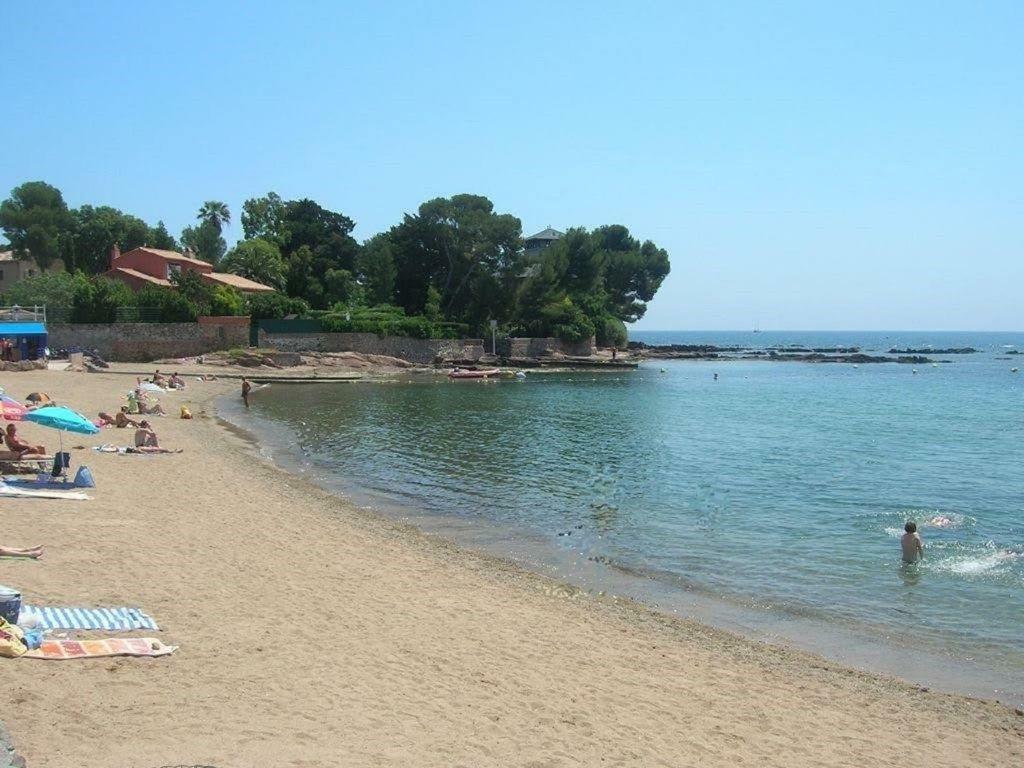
{"x":246,"y":389}
{"x":913,"y":547}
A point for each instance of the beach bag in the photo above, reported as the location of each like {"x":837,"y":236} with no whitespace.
{"x":83,"y":479}
{"x":12,"y":643}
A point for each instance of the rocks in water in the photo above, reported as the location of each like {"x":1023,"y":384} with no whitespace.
{"x":951,"y":351}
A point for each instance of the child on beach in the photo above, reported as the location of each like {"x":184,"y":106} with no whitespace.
{"x":913,"y":547}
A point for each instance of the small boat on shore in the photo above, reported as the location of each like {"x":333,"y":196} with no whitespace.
{"x":461,"y":373}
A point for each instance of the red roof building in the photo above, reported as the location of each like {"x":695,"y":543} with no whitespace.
{"x":144,"y":266}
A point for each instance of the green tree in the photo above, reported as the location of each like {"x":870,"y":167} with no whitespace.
{"x":375,"y":267}
{"x":98,"y":299}
{"x":341,"y":286}
{"x":214,"y":213}
{"x":258,"y":260}
{"x":263,"y":217}
{"x":196,"y":290}
{"x":317,"y":241}
{"x":37,"y":222}
{"x":159,"y":237}
{"x":634,"y":271}
{"x":459,"y":245}
{"x":50,"y":289}
{"x":205,"y":242}
{"x":607,"y":275}
{"x":96,"y":229}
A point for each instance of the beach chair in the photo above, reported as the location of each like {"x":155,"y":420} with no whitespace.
{"x":15,"y":463}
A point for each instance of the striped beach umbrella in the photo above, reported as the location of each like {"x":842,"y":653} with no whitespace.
{"x":11,"y":409}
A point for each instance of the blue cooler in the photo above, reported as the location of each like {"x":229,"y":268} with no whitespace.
{"x":10,"y":604}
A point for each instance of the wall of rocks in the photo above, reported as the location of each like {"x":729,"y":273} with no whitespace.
{"x":420,"y":351}
{"x":144,"y":342}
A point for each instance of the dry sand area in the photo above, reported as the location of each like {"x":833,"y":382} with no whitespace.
{"x":312,"y":633}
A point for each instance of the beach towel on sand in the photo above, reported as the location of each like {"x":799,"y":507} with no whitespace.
{"x":83,"y":649}
{"x":88,"y":618}
{"x":31,"y":493}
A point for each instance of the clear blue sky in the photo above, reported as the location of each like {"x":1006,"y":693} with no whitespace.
{"x":807,"y":165}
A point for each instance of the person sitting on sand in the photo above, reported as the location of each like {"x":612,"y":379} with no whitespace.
{"x":158,"y":378}
{"x":32,"y":552}
{"x":185,"y":412}
{"x":176,"y":382}
{"x":18,"y":445}
{"x":121,"y":420}
{"x":146,"y":441}
{"x":145,"y":437}
{"x":913,"y":547}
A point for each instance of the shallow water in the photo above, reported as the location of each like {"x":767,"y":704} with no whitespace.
{"x":780,"y":488}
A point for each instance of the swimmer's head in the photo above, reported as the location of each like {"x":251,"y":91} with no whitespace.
{"x":910,"y":527}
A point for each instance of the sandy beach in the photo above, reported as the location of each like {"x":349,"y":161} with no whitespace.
{"x":313,"y":633}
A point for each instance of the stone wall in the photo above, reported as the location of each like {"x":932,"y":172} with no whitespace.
{"x":421,"y":351}
{"x":543,"y":347}
{"x":143,"y":342}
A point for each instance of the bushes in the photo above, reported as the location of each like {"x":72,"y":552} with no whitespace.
{"x":52,"y":289}
{"x":97,"y":300}
{"x":611,"y":332}
{"x":172,"y":306}
{"x":274,"y":306}
{"x":386,"y":320}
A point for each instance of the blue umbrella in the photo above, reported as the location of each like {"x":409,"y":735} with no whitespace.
{"x":62,"y":419}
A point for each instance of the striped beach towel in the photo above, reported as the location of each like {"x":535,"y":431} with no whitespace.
{"x":88,"y":618}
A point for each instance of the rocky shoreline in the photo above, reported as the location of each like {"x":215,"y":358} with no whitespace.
{"x":784,"y":354}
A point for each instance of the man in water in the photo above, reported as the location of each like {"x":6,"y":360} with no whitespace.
{"x":913,"y":547}
{"x":246,"y":389}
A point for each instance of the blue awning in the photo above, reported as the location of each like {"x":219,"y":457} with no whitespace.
{"x":22,"y":329}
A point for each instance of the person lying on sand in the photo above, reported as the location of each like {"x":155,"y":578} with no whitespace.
{"x":105,"y":419}
{"x":32,"y":552}
{"x":18,"y":445}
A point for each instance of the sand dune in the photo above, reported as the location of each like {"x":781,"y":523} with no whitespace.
{"x":312,"y":634}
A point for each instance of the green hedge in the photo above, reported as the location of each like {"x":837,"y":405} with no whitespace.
{"x":416,"y":327}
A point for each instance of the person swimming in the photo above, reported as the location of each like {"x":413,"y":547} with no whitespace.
{"x":910,"y":542}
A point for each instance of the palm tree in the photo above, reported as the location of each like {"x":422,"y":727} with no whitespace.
{"x":216,"y":213}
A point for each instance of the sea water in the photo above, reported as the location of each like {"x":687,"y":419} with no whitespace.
{"x":780,"y":488}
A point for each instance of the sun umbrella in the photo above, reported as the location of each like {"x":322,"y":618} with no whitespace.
{"x":39,"y":397}
{"x":63,"y":420}
{"x":11,"y":409}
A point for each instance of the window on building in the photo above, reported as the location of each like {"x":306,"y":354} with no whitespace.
{"x":173,"y":270}
{"x":1,"y":274}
